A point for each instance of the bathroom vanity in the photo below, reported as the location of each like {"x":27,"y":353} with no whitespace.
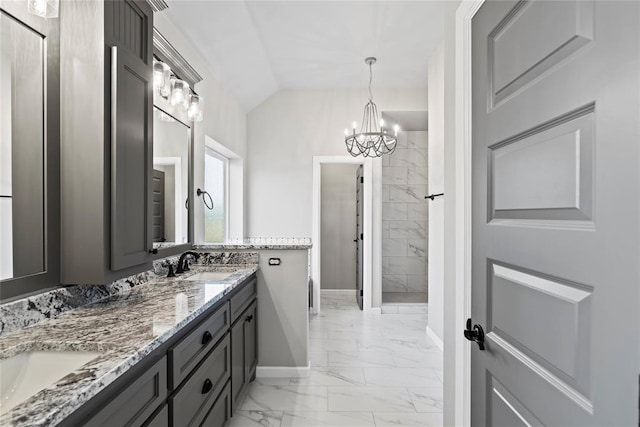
{"x":162,"y":351}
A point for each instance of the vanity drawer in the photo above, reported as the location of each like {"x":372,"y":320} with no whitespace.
{"x":133,"y":405}
{"x":242,"y":299}
{"x":220,"y":413}
{"x":190,"y":405}
{"x":185,"y":355}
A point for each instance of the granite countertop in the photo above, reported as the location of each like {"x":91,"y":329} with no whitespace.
{"x":274,"y":243}
{"x":124,"y":328}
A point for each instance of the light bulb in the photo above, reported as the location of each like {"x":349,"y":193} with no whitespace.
{"x":158,"y":74}
{"x":396,"y":128}
{"x":346,"y":132}
{"x":381,"y":123}
{"x":44,"y":8}
{"x":178,"y":92}
{"x":355,"y":125}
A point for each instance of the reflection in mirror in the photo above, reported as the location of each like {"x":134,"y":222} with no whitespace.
{"x":170,"y":180}
{"x":22,"y":149}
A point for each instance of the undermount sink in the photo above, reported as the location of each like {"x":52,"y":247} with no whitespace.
{"x":211,"y":276}
{"x":25,"y":374}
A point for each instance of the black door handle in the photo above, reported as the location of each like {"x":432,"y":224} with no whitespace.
{"x":206,"y":337}
{"x":207,"y":386}
{"x":248,"y":318}
{"x":475,"y":334}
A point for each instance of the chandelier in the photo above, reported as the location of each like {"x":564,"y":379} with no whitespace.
{"x":373,"y":139}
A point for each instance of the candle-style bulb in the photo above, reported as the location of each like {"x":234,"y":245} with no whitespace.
{"x":354,"y":126}
{"x":346,"y":132}
{"x":381,"y":123}
{"x":396,"y":128}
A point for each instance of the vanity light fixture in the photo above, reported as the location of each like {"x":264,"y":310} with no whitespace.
{"x":44,"y":8}
{"x":177,"y":91}
{"x":372,"y":140}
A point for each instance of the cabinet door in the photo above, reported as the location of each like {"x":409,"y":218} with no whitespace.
{"x":238,"y":373}
{"x":250,"y":342}
{"x":129,"y":29}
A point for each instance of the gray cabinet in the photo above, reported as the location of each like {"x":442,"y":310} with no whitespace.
{"x":187,"y":354}
{"x":191,"y":404}
{"x":129,"y":33}
{"x":107,"y":126}
{"x":133,"y":405}
{"x":244,"y":352}
{"x":220,"y":413}
{"x":161,"y":419}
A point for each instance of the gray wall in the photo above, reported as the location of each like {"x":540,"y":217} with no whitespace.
{"x":404,"y":215}
{"x":338,"y":226}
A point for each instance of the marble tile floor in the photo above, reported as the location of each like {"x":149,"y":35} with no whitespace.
{"x":366,"y":370}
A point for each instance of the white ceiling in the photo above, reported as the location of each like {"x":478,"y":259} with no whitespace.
{"x":256,"y":48}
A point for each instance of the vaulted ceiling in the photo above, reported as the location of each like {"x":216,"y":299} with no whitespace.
{"x":257,"y":48}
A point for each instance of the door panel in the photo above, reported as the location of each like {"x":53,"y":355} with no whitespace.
{"x":359,"y":236}
{"x":555,"y":216}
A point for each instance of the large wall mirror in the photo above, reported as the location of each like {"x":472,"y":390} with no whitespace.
{"x":172,"y":203}
{"x":171,"y":171}
{"x":29,"y":152}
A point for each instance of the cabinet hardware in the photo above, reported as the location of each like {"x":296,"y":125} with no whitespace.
{"x":207,"y":386}
{"x":153,"y":251}
{"x":248,"y":318}
{"x":206,"y":337}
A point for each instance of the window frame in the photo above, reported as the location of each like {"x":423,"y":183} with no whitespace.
{"x":208,"y":151}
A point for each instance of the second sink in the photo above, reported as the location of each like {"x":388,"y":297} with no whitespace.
{"x":210,"y":276}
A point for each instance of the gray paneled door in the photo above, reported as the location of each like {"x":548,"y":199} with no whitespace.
{"x":359,"y":236}
{"x":555,"y":276}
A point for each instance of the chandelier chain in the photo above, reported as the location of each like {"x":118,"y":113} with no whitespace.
{"x":370,"y":80}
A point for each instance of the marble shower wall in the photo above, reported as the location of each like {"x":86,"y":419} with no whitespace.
{"x":404,"y":215}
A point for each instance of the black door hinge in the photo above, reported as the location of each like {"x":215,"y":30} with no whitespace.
{"x":362,"y":180}
{"x":361,"y":292}
{"x":361,"y":236}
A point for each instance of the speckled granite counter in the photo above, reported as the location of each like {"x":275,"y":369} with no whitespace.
{"x":273,"y":243}
{"x":124,"y":326}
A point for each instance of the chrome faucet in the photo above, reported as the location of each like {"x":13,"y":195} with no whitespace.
{"x":183,"y":263}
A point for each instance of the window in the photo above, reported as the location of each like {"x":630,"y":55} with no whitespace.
{"x":216,"y":169}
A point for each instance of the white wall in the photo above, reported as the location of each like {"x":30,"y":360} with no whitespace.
{"x":285,"y":132}
{"x":224,"y":119}
{"x":436,"y":185}
{"x":338,"y":226}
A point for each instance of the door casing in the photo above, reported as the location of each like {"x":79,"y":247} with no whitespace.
{"x":372,"y":277}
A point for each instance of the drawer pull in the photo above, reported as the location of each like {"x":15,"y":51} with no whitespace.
{"x":206,"y":337}
{"x":207,"y":386}
{"x":248,"y":318}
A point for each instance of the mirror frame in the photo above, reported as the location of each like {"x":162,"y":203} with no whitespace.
{"x":169,"y":55}
{"x":49,"y":29}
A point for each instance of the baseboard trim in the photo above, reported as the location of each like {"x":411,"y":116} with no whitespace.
{"x":337,"y":291}
{"x":283,"y":371}
{"x":435,"y":338}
